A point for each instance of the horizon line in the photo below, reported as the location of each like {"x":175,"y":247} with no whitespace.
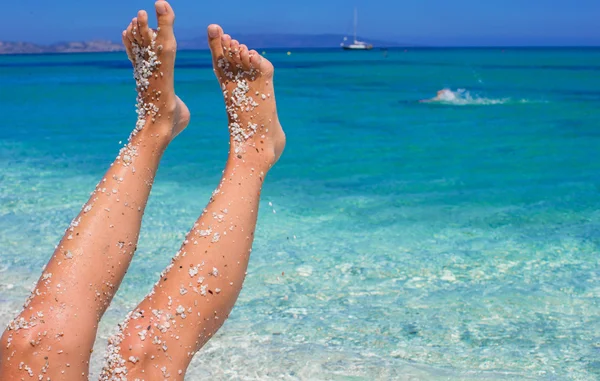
{"x":378,"y":41}
{"x":283,"y":49}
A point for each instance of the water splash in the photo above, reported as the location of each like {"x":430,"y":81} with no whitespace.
{"x":462,"y":97}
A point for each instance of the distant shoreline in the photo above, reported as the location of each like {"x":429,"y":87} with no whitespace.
{"x":97,"y":46}
{"x":284,"y":49}
{"x":257,"y":41}
{"x":24,"y":48}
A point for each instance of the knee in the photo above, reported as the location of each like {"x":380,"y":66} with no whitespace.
{"x":132,"y":349}
{"x":23,"y":340}
{"x":37,"y":339}
{"x":144,"y":354}
{"x":132,"y":355}
{"x":128,"y":350}
{"x":20,"y":353}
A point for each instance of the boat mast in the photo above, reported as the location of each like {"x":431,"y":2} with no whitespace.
{"x":355,"y":23}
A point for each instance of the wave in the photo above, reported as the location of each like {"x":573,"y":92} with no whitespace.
{"x":462,"y":97}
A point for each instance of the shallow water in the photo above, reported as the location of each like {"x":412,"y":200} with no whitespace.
{"x":411,"y":241}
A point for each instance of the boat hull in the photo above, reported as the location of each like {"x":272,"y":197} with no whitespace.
{"x":357,"y":47}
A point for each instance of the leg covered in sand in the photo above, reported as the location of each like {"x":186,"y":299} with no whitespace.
{"x":196,"y":293}
{"x":53,"y":337}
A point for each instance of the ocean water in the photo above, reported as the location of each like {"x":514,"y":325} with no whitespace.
{"x":446,"y":240}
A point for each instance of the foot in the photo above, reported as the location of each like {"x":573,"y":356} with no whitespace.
{"x":246,"y":79}
{"x":153,"y":56}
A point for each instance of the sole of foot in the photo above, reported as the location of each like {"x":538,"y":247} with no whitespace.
{"x":152,"y":53}
{"x":246,"y":79}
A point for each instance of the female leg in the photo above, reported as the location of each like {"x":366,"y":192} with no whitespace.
{"x":196,"y":293}
{"x":53,"y":337}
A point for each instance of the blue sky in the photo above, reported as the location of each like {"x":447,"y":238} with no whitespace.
{"x":428,"y":22}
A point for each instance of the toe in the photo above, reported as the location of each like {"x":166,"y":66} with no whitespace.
{"x":245,"y":57}
{"x":166,"y":18}
{"x":143,"y":28}
{"x":215,"y":33}
{"x":235,"y":52}
{"x":127,"y":45}
{"x":136,"y":31}
{"x":129,"y":33}
{"x":266,"y":68}
{"x":255,"y":59}
{"x":226,"y":43}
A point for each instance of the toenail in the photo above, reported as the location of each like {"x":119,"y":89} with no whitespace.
{"x":161,"y":7}
{"x":213,"y":32}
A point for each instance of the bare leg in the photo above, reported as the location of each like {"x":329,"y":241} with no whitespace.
{"x":196,"y":293}
{"x":53,"y":337}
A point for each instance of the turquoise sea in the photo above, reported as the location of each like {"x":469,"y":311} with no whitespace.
{"x":405,"y":241}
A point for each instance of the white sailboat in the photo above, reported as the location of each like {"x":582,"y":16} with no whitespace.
{"x":357,"y":45}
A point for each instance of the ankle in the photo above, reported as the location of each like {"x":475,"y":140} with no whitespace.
{"x":251,"y":157}
{"x":155,"y":135}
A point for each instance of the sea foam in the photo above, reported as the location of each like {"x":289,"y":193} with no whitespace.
{"x":463,"y":97}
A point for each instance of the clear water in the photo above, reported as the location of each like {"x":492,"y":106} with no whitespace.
{"x":421,"y":241}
